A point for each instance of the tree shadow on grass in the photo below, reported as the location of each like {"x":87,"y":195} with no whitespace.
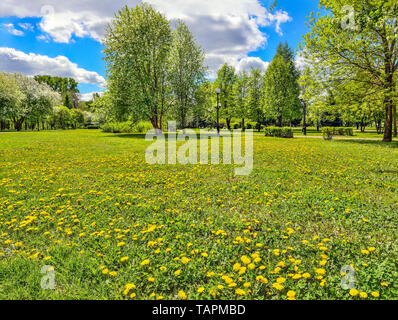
{"x":138,"y":136}
{"x":392,"y":145}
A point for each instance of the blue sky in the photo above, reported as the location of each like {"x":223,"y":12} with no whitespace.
{"x":64,"y":38}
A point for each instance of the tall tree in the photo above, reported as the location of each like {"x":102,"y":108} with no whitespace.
{"x":359,"y":36}
{"x":241,"y":95}
{"x":225,"y":82}
{"x":137,"y":47}
{"x":66,"y":87}
{"x":11,"y":98}
{"x":281,"y":91}
{"x":187,"y":70}
{"x":255,"y":96}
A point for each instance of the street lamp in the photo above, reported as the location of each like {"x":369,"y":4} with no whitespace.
{"x":218,"y":91}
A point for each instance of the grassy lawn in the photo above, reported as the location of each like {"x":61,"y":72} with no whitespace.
{"x":87,"y":204}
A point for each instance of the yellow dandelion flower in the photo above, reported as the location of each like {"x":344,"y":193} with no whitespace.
{"x":182,"y":295}
{"x":354,"y":292}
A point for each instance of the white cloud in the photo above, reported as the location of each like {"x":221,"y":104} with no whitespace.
{"x":12,"y":60}
{"x":11,"y":29}
{"x":26,"y":26}
{"x":89,"y":96}
{"x":228,"y":30}
{"x":251,"y":63}
{"x":301,"y":61}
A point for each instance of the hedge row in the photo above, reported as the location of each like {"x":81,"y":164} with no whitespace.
{"x":279,"y":132}
{"x":126,"y":127}
{"x":329,"y":132}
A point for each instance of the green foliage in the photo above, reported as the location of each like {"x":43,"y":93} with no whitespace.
{"x":337,"y":131}
{"x":187,"y":71}
{"x":354,"y":46}
{"x":137,"y":47}
{"x":278,"y":132}
{"x":281,"y":88}
{"x":225,"y":81}
{"x":127,"y":127}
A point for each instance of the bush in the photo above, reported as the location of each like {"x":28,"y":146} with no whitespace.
{"x":285,"y":132}
{"x":126,"y":127}
{"x":117,"y":127}
{"x":142,"y":127}
{"x":329,"y":132}
{"x":236,"y":125}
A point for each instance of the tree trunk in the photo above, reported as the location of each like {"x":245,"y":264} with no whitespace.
{"x":228,"y":123}
{"x":243,"y":125}
{"x":394,"y":118}
{"x":388,"y":119}
{"x":155,"y":124}
{"x":18,"y":124}
{"x":2,"y":125}
{"x":280,"y":121}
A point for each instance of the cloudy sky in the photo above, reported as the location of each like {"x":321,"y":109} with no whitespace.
{"x":63,"y":38}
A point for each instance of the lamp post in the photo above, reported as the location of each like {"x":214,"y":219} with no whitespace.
{"x":218,"y":91}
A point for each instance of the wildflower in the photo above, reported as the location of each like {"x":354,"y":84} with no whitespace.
{"x":128,"y":287}
{"x":240,"y":292}
{"x":277,"y":286}
{"x":151,"y":279}
{"x":113,"y":273}
{"x":242,"y":270}
{"x":201,"y":289}
{"x":354,"y":292}
{"x":237,"y":266}
{"x":280,"y":280}
{"x":182,"y":295}
{"x":185,"y":260}
{"x":291,"y":295}
{"x":363,"y":295}
{"x":123,"y":259}
{"x":145,"y":262}
{"x":375,"y":294}
{"x":178,"y":272}
{"x":320,"y":271}
{"x":245,"y":260}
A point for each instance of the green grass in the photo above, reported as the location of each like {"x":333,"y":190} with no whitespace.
{"x":82,"y":200}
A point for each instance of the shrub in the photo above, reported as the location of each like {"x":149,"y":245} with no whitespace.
{"x":117,"y":127}
{"x":126,"y":127}
{"x":236,"y":125}
{"x":285,"y":132}
{"x":329,"y":132}
{"x":142,"y":127}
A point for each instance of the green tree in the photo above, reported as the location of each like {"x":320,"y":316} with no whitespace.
{"x":255,"y":104}
{"x":11,"y":98}
{"x":357,"y":36}
{"x":241,"y":94}
{"x":187,"y":70}
{"x":137,"y":47}
{"x":281,"y":91}
{"x":225,"y":82}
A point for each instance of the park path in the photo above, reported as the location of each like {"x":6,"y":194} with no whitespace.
{"x":344,"y":138}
